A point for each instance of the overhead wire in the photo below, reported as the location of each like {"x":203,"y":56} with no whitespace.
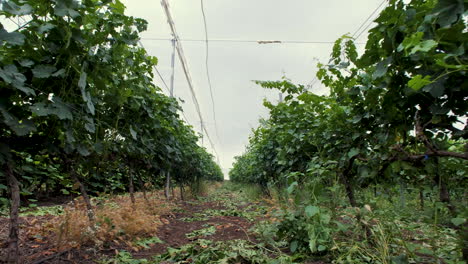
{"x":185,"y":69}
{"x":250,"y":41}
{"x":207,"y":69}
{"x":315,"y":79}
{"x":367,"y":19}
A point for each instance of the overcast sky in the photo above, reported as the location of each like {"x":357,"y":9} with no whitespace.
{"x":233,"y":66}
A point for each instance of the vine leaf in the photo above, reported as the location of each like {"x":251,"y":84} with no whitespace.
{"x":118,"y":7}
{"x":82,"y":81}
{"x":353,"y":152}
{"x":43,"y":71}
{"x":11,"y":75}
{"x":26,"y":63}
{"x":437,"y":88}
{"x":20,"y":127}
{"x":418,"y":82}
{"x":45,"y":27}
{"x":424,"y":46}
{"x":82,"y":150}
{"x":85,"y":94}
{"x":65,"y":8}
{"x":90,"y":126}
{"x":14,"y":9}
{"x":133,"y":133}
{"x":57,"y":108}
{"x":381,"y":68}
{"x":13,"y":38}
{"x":448,"y":11}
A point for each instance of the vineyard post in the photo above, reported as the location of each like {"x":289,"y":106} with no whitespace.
{"x":132,"y":188}
{"x":13,"y":247}
{"x":172,"y":67}
{"x":168,"y":185}
{"x":168,"y":175}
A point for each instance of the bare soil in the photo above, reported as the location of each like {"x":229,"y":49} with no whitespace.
{"x":37,"y":249}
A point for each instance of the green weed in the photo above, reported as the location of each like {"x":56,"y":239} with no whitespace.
{"x":208,"y":231}
{"x":147,"y":242}
{"x":123,"y":257}
{"x":235,"y":251}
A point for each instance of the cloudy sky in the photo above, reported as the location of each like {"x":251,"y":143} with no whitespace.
{"x":233,"y":65}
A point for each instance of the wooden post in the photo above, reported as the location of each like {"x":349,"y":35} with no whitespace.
{"x":13,"y":238}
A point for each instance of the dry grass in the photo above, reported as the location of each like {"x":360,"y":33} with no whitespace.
{"x":117,"y":220}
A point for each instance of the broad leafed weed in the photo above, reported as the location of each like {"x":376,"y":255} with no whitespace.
{"x":235,"y":251}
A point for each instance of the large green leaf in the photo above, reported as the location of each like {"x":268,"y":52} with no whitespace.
{"x":311,"y":210}
{"x":14,"y":9}
{"x":418,"y":82}
{"x":43,"y":71}
{"x":20,"y":127}
{"x":424,"y":46}
{"x":448,"y":11}
{"x":57,"y":108}
{"x":11,"y":75}
{"x":12,"y":38}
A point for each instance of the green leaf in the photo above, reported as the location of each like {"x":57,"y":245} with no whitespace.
{"x":458,"y":221}
{"x":353,"y":152}
{"x":20,"y":127}
{"x":11,"y":75}
{"x":402,"y":259}
{"x":45,"y":27}
{"x":43,"y":71}
{"x":417,"y":82}
{"x":342,"y":227}
{"x":311,"y":210}
{"x":57,"y":108}
{"x":437,"y":88}
{"x":85,"y":94}
{"x":82,"y":150}
{"x":321,"y":248}
{"x":424,"y":46}
{"x":14,"y":9}
{"x":69,"y":136}
{"x":60,"y":73}
{"x":448,"y":11}
{"x":291,"y":187}
{"x":89,"y":126}
{"x":82,"y":81}
{"x":26,"y":63}
{"x":312,"y":242}
{"x":13,"y":38}
{"x":133,"y":133}
{"x":381,"y":68}
{"x":118,"y":7}
{"x":411,"y":41}
{"x":293,"y":246}
{"x":66,"y":8}
{"x":90,"y":105}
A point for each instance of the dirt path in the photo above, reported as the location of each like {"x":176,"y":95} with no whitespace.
{"x":218,"y":217}
{"x":193,"y":216}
